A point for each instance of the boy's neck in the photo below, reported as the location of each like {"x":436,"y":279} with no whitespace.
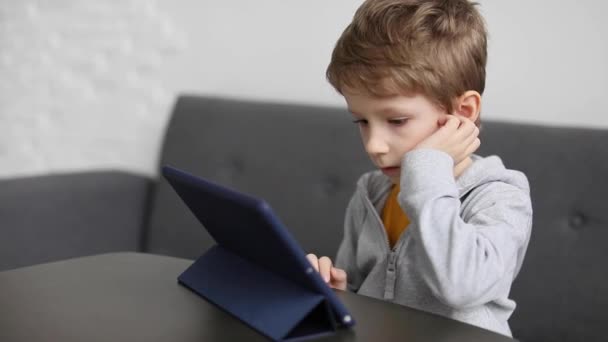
{"x":463,"y":165}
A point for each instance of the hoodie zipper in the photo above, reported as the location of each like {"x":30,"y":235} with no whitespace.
{"x":391,"y":267}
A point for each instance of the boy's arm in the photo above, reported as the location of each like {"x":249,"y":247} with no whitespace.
{"x":346,"y":256}
{"x":464,"y":263}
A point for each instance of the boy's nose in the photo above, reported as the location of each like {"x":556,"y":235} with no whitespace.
{"x":376,"y":145}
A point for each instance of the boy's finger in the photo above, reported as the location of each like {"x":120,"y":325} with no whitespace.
{"x":473,"y":146}
{"x":313,"y":261}
{"x":464,"y":119}
{"x":452,"y":123}
{"x":466,"y":127}
{"x":338,"y":274}
{"x":442,"y":120}
{"x":325,"y":266}
{"x":469,"y":138}
{"x":446,"y":128}
{"x":338,"y":279}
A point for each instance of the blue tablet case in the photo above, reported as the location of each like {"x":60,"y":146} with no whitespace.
{"x":257,"y":271}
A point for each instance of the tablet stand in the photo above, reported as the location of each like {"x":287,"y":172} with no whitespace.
{"x":269,"y":303}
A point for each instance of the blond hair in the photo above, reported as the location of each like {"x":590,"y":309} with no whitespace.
{"x":434,"y":47}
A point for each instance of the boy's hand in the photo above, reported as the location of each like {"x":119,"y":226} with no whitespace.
{"x":334,"y":277}
{"x":457,"y":136}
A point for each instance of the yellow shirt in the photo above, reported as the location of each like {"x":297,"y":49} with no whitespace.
{"x":394,"y":218}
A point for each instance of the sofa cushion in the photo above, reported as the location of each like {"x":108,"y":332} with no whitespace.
{"x":53,"y":217}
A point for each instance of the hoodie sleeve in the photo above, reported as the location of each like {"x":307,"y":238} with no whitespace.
{"x":346,"y":257}
{"x":465,"y":264}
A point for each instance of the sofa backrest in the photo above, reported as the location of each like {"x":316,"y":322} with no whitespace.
{"x":305,"y":160}
{"x":562,"y":290}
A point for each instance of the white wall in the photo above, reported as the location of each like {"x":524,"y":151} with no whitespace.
{"x":548,"y":61}
{"x":89,"y":84}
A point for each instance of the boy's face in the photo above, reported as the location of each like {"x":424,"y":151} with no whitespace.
{"x":391,"y":126}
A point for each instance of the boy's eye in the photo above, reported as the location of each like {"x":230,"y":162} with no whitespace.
{"x":360,"y":122}
{"x":397,"y":122}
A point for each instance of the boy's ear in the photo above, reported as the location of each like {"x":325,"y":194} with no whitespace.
{"x":468,"y":105}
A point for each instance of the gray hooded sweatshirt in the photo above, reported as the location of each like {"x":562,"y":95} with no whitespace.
{"x":464,"y":245}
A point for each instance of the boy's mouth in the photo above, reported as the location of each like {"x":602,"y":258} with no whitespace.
{"x":391,"y":171}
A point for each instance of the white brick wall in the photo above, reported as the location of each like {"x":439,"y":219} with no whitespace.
{"x":81,"y":86}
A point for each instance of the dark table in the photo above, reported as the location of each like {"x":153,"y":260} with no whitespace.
{"x":136,"y":297}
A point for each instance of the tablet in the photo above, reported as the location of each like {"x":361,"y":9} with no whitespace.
{"x":248,"y":227}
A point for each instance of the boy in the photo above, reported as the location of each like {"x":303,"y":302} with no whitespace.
{"x":436,"y":228}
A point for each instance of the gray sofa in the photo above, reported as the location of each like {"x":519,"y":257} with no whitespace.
{"x":304,"y":160}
